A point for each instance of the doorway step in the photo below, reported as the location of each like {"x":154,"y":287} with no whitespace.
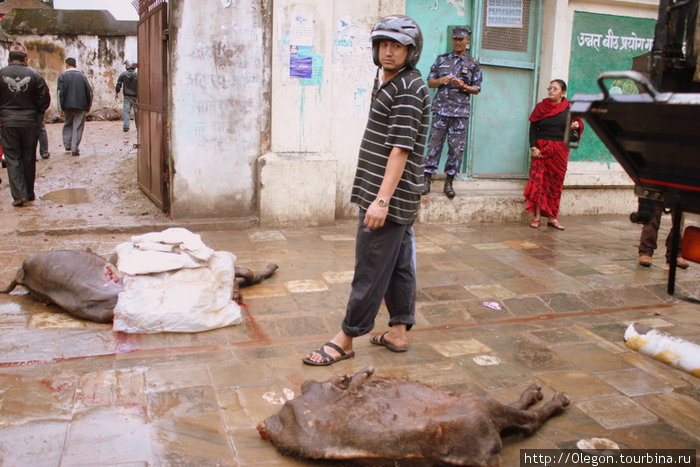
{"x":495,"y":201}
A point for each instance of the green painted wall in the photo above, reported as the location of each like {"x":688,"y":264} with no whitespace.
{"x":434,"y":17}
{"x":603,"y":43}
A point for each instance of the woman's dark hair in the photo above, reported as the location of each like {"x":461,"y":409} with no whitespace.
{"x":561,"y":82}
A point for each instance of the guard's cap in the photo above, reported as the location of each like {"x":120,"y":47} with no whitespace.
{"x":18,"y":48}
{"x":460,"y":32}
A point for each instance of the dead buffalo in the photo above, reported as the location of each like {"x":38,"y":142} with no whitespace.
{"x":81,"y":283}
{"x":378,"y":420}
{"x":87,"y":286}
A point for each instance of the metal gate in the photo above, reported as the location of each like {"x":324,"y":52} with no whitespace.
{"x":153,"y":172}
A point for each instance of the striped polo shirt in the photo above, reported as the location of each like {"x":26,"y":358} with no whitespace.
{"x":398,"y":117}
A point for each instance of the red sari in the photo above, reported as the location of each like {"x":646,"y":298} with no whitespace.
{"x":547,"y":173}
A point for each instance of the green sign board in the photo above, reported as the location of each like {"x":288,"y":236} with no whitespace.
{"x":602,"y":43}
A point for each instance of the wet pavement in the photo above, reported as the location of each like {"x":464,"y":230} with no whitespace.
{"x":499,"y":306}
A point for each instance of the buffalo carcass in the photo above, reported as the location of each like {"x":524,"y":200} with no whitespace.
{"x":87,"y":286}
{"x":376,"y":420}
{"x":81,"y":283}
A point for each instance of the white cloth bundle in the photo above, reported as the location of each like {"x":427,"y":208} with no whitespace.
{"x":174,"y":283}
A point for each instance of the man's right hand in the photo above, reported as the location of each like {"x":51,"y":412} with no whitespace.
{"x":375,"y":216}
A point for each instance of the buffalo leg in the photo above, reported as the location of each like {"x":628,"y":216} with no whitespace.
{"x":528,"y":421}
{"x":531,"y":395}
{"x":246,"y":277}
{"x":243,"y":275}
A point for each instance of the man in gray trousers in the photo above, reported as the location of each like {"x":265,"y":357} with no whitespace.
{"x":75,"y":100}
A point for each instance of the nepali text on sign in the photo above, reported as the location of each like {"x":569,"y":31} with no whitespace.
{"x":611,"y":41}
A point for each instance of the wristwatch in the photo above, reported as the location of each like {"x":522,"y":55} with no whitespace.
{"x":382,"y":202}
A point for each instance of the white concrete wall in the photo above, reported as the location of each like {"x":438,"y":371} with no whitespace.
{"x":219,"y":80}
{"x":322,"y":118}
{"x":554,"y":63}
{"x":101,"y":59}
{"x":231,"y":89}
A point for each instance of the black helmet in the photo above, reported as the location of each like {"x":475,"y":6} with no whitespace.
{"x":398,"y":28}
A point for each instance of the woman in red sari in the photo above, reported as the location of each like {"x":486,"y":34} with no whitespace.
{"x":550,"y":155}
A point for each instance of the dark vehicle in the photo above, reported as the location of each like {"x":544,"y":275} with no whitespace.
{"x":655,"y":134}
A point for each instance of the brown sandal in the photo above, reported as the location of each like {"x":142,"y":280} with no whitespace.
{"x":555,"y":223}
{"x":327,"y":359}
{"x":381,"y":340}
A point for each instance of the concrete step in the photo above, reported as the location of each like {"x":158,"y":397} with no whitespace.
{"x":491,"y":201}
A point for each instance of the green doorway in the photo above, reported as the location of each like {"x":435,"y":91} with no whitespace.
{"x":505,"y":40}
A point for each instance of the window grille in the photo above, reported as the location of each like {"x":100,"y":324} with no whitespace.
{"x":509,"y":39}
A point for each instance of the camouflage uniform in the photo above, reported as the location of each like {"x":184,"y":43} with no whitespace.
{"x":451,"y":110}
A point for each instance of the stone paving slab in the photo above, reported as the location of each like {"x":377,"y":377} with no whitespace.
{"x":558,"y":305}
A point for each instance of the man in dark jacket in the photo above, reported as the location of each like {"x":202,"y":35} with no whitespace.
{"x":75,"y":100}
{"x":24,"y":97}
{"x":128,"y":79}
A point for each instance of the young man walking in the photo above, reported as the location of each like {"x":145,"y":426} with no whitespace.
{"x":75,"y":100}
{"x":387,"y":188}
{"x":127,"y":83}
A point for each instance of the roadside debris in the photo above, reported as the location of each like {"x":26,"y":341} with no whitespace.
{"x":663,"y":347}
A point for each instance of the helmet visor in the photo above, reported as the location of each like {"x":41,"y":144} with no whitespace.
{"x":404,"y":39}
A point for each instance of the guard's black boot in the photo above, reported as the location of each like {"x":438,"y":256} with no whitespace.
{"x":426,"y":184}
{"x":449,"y":191}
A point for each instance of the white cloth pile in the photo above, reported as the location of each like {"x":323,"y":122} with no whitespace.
{"x":173,"y":282}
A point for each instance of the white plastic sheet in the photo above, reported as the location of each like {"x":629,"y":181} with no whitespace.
{"x":188,"y":289}
{"x":169,"y":250}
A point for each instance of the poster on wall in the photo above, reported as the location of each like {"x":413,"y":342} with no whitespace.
{"x":602,"y":43}
{"x":504,"y":14}
{"x":301,"y":46}
{"x":302,"y":32}
{"x":300,"y":61}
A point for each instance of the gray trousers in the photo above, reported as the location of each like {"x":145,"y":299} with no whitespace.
{"x":385,"y":268}
{"x":73,"y":129}
{"x":43,"y":139}
{"x":129,"y":103}
{"x":19,"y":149}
